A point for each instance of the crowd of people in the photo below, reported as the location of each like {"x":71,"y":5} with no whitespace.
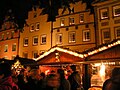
{"x":35,"y":80}
{"x":55,"y":80}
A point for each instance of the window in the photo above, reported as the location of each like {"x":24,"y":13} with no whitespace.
{"x":25,"y":55}
{"x":43,"y":39}
{"x":71,"y":21}
{"x":81,"y":18}
{"x":117,"y":32}
{"x":32,"y":27}
{"x":62,"y":22}
{"x":104,"y":13}
{"x":35,"y":40}
{"x":35,"y":54}
{"x":72,"y":36}
{"x":6,"y":48}
{"x":116,"y":11}
{"x":86,"y":35}
{"x":106,"y":35}
{"x":12,"y":34}
{"x":25,"y":42}
{"x":7,"y":35}
{"x":59,"y":38}
{"x":14,"y":47}
{"x":3,"y":36}
{"x":37,"y":26}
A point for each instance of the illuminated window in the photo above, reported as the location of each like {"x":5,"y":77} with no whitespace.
{"x":116,"y":10}
{"x":25,"y":41}
{"x":86,"y":35}
{"x":35,"y":40}
{"x":72,"y":37}
{"x":59,"y":38}
{"x":37,"y":26}
{"x":71,"y":21}
{"x":43,"y":39}
{"x":104,"y":13}
{"x":32,"y":27}
{"x":14,"y":47}
{"x":62,"y":21}
{"x":6,"y":48}
{"x":106,"y":35}
{"x":117,"y":32}
{"x":81,"y":18}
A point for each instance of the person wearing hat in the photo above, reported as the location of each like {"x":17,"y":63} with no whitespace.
{"x":6,"y":82}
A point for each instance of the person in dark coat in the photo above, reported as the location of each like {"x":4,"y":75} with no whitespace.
{"x":6,"y":82}
{"x":74,"y":79}
{"x":64,"y":83}
{"x":114,"y":82}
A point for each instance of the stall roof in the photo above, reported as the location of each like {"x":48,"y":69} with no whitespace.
{"x":59,"y":50}
{"x":57,"y":55}
{"x":105,"y":51}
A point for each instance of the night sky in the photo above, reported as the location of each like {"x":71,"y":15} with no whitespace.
{"x":19,"y":8}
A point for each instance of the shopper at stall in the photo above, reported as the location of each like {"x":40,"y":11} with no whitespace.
{"x":74,"y":79}
{"x":114,"y":82}
{"x":64,"y":83}
{"x":6,"y":82}
{"x":52,"y":82}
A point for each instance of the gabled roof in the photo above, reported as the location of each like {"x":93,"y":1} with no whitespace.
{"x":101,"y":48}
{"x":60,"y":50}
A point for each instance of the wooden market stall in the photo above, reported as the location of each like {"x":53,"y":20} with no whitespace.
{"x":100,"y":61}
{"x":58,"y":57}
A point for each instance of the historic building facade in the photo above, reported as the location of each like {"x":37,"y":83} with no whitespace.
{"x":9,"y":40}
{"x":73,"y":30}
{"x":107,"y":19}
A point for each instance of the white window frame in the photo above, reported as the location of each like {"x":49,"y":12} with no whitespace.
{"x":14,"y":47}
{"x":6,"y":48}
{"x":86,"y":35}
{"x":44,"y":36}
{"x":24,"y":42}
{"x":37,"y":29}
{"x":59,"y":38}
{"x":72,"y":37}
{"x":35,"y":37}
{"x":32,"y":27}
{"x":71,"y":20}
{"x":117,"y":32}
{"x":62,"y":22}
{"x":81,"y":18}
{"x":105,"y":39}
{"x":114,"y":10}
{"x":103,"y":11}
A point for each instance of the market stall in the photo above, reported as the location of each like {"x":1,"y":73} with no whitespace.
{"x":100,"y":62}
{"x":58,"y":57}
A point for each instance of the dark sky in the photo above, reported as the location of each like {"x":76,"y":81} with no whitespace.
{"x":20,"y":8}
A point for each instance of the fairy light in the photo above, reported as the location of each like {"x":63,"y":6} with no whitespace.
{"x":61,"y":50}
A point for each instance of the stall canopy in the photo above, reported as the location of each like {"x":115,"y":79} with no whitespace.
{"x":25,"y":61}
{"x":104,"y":53}
{"x":58,"y":55}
